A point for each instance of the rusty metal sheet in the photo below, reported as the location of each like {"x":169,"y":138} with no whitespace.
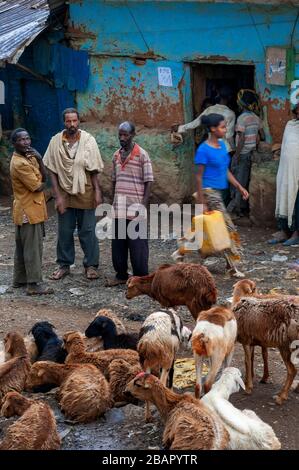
{"x":20,"y":22}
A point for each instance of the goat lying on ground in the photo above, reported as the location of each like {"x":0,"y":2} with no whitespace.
{"x":74,"y":344}
{"x":96,"y":344}
{"x":180,"y":284}
{"x":84,"y":393}
{"x":121,"y":373}
{"x":246,"y":430}
{"x":35,"y":430}
{"x":14,"y":371}
{"x":105,"y":329}
{"x":31,"y":349}
{"x":213,"y":337}
{"x":268,"y":323}
{"x":189,"y":424}
{"x":50,"y":347}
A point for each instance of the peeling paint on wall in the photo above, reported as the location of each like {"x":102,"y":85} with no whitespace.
{"x":128,"y":41}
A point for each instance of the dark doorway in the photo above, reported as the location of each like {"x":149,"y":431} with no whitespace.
{"x":207,"y":79}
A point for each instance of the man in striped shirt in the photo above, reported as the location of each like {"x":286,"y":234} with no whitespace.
{"x":248,"y":127}
{"x":132,"y":176}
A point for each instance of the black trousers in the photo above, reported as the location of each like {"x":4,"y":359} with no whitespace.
{"x":122,"y":243}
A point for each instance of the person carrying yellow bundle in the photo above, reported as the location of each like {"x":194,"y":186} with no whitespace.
{"x":212,"y":179}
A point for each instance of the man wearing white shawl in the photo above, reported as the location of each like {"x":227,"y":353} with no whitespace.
{"x":74,"y":162}
{"x":287,"y":182}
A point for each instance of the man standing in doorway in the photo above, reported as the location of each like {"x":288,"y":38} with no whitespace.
{"x":225,"y":95}
{"x":132,"y":176}
{"x":248,"y":127}
{"x":28,"y":176}
{"x":74,"y":162}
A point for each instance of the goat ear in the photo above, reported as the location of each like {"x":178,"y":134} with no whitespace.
{"x":241,"y":383}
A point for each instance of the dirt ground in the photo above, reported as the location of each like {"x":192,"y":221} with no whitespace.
{"x":124,"y":428}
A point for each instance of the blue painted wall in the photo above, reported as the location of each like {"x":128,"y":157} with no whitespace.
{"x":177,"y":32}
{"x":171,"y":34}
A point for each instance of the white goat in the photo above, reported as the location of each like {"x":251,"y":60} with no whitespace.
{"x":247,"y":431}
{"x":213,"y":338}
{"x":160,"y":338}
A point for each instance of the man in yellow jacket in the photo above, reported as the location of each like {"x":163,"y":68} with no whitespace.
{"x":28,"y":178}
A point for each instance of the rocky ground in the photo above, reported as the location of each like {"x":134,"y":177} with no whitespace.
{"x":76,"y":300}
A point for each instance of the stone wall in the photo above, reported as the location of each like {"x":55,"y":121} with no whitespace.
{"x":263,"y":193}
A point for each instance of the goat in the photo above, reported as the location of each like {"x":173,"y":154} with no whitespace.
{"x":246,"y":430}
{"x":189,"y":424}
{"x":213,"y":337}
{"x":74,"y":344}
{"x":121,"y":373}
{"x":35,"y":430}
{"x":160,"y":338}
{"x":105,"y":328}
{"x":14,"y":371}
{"x":84,"y":393}
{"x":268,"y":323}
{"x":30,"y":347}
{"x":180,"y":284}
{"x":247,"y":288}
{"x":96,"y":344}
{"x":50,"y":347}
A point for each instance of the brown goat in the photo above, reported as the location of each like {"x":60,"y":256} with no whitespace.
{"x":248,"y":288}
{"x":189,"y":424}
{"x":268,"y":323}
{"x":74,"y":345}
{"x":179,"y":284}
{"x":121,"y":373}
{"x":13,"y":372}
{"x":35,"y":430}
{"x":84,"y":393}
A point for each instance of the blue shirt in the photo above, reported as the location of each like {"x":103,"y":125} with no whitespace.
{"x":216,"y":162}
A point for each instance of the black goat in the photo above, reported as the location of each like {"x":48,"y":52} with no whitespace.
{"x":49,"y":346}
{"x":105,"y":328}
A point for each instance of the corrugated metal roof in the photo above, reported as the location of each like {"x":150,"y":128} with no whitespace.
{"x":20,"y":22}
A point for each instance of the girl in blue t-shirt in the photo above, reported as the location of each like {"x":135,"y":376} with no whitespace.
{"x":213,"y":177}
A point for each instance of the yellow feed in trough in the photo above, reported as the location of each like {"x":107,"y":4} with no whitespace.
{"x":184,"y":373}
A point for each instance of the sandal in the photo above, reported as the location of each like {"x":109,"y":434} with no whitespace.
{"x":38,"y":290}
{"x":91,"y":273}
{"x":60,"y":273}
{"x":114,"y":282}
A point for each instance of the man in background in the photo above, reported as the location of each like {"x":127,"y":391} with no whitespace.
{"x":248,"y":127}
{"x":225,"y":95}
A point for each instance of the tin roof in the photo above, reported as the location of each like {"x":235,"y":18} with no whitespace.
{"x":20,"y":22}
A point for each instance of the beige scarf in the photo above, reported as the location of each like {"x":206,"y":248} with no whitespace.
{"x":72,"y":172}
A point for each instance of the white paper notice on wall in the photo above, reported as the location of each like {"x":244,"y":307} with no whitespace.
{"x":164,"y":76}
